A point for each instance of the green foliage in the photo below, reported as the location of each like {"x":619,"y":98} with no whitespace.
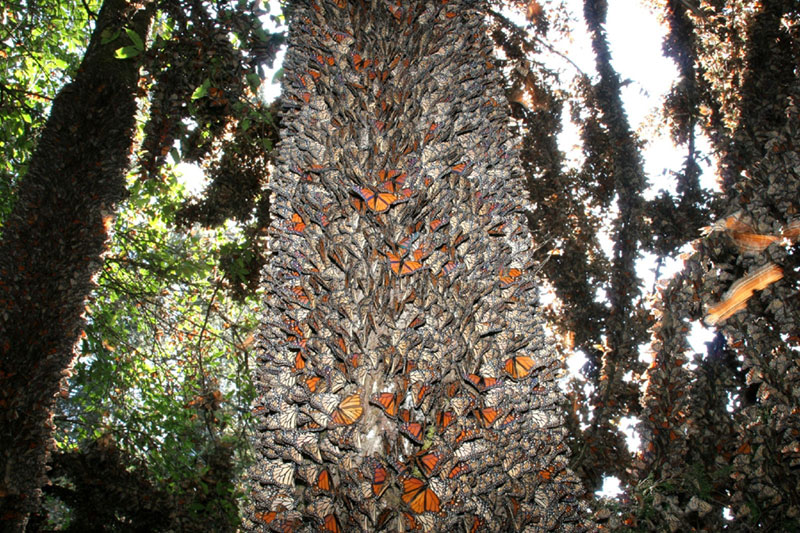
{"x":163,"y":367}
{"x":41,"y":45}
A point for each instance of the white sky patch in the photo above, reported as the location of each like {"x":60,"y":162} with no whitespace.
{"x":628,"y":427}
{"x":611,"y":488}
{"x":192,"y":178}
{"x":699,"y":335}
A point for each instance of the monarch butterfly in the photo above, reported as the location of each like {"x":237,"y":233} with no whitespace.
{"x":287,"y":419}
{"x":477,"y":523}
{"x":300,"y":294}
{"x":452,"y":389}
{"x":428,"y":136}
{"x":467,"y":435}
{"x":404,"y":415}
{"x":519,"y":367}
{"x":406,"y":242}
{"x":458,"y":470}
{"x":387,"y":401}
{"x":392,"y":180}
{"x":349,"y":410}
{"x":360,"y":63}
{"x":509,"y":420}
{"x":437,"y":223}
{"x":498,"y":230}
{"x":430,"y":462}
{"x":417,"y":322}
{"x":419,"y":497}
{"x":413,"y":430}
{"x":376,"y":201}
{"x":332,"y":524}
{"x":419,"y":391}
{"x":299,"y":362}
{"x":297,"y":224}
{"x":486,"y":416}
{"x":459,"y":168}
{"x":279,"y":473}
{"x":449,"y":267}
{"x":735,"y":299}
{"x":508,"y":275}
{"x":481,"y":383}
{"x":266,"y":517}
{"x":379,"y":479}
{"x":324,"y":480}
{"x":470,"y":450}
{"x":401,"y":267}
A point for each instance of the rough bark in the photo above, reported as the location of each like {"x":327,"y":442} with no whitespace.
{"x":404,"y":378}
{"x":51,"y":248}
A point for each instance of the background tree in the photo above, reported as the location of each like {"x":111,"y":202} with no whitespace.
{"x":33,"y":264}
{"x":75,"y":179}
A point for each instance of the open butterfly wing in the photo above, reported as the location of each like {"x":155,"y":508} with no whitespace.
{"x":348,"y":411}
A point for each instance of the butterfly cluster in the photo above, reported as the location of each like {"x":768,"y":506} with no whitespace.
{"x":403,"y":374}
{"x":739,"y":278}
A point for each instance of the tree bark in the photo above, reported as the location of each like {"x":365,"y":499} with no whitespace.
{"x":51,"y":249}
{"x":405,"y":381}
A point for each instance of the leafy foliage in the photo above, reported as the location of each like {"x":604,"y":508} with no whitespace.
{"x":41,"y":45}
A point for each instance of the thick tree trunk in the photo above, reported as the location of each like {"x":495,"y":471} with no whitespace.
{"x":51,"y":249}
{"x":405,"y":382}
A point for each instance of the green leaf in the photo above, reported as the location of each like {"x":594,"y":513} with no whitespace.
{"x":254,"y":80}
{"x":127,"y":52}
{"x":108,"y":36}
{"x":135,"y":39}
{"x":202,"y":90}
{"x":278,"y":75}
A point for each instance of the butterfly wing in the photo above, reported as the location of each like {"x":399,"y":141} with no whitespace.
{"x":349,"y":410}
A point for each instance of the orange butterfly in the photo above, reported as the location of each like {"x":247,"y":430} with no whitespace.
{"x":300,"y":294}
{"x":438,"y":223}
{"x":332,"y":524}
{"x":519,"y":367}
{"x":498,"y":230}
{"x":312,"y":383}
{"x":299,"y":362}
{"x":459,"y":469}
{"x":360,"y":63}
{"x":419,"y":496}
{"x":481,"y":383}
{"x":324,"y":480}
{"x":413,"y":430}
{"x":430,"y":462}
{"x":419,"y":390}
{"x":379,"y":479}
{"x":459,"y":168}
{"x":444,"y":419}
{"x":386,"y":401}
{"x":349,"y":410}
{"x":297,"y":223}
{"x":736,"y":297}
{"x":392,"y":180}
{"x":486,"y":416}
{"x":402,"y":267}
{"x":508,"y":275}
{"x":376,"y":201}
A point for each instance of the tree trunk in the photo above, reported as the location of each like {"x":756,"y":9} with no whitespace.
{"x":51,"y":249}
{"x":404,"y":380}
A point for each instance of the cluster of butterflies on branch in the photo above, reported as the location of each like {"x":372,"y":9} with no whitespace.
{"x":403,"y":375}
